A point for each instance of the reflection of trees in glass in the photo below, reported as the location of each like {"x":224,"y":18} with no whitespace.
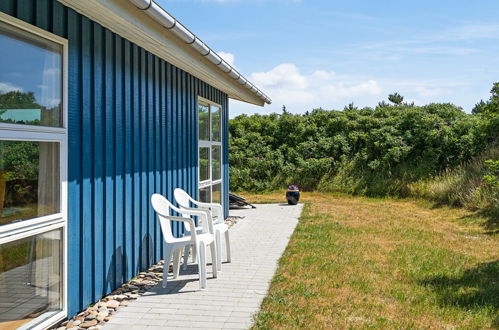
{"x":204,"y":164}
{"x":16,"y":100}
{"x":204,"y":122}
{"x":13,"y":256}
{"x":217,"y":193}
{"x":20,"y":159}
{"x":207,"y":133}
{"x":18,"y":173}
{"x":216,"y":156}
{"x":215,"y":123}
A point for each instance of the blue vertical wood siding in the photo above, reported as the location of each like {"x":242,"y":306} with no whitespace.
{"x":132,"y":132}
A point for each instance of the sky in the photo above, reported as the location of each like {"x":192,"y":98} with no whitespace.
{"x":27,"y":67}
{"x":307,"y":54}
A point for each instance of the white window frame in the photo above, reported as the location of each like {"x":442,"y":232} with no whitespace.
{"x":20,"y":132}
{"x":208,"y":144}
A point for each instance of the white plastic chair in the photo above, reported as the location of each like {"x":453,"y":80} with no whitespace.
{"x":216,"y":217}
{"x":174,"y":246}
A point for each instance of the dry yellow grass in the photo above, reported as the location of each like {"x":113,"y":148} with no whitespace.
{"x":357,"y":262}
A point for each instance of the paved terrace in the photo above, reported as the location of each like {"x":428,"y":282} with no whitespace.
{"x":230,"y":300}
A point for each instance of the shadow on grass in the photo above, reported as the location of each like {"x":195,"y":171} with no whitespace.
{"x":491,"y":223}
{"x":476,"y":288}
{"x":490,"y":215}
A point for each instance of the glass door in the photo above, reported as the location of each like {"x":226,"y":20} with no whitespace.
{"x":33,"y":192}
{"x":210,"y":151}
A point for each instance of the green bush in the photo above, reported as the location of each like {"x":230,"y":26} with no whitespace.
{"x":464,"y":185}
{"x":399,"y":149}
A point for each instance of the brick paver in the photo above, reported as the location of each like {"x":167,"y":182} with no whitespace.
{"x":230,"y":300}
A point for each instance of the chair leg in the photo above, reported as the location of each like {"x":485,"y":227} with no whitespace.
{"x":186,"y":256}
{"x":218,"y":243}
{"x":194,"y":254}
{"x":202,"y":265}
{"x":176,"y":262}
{"x":227,"y":245}
{"x":167,"y":251}
{"x":214,"y":258}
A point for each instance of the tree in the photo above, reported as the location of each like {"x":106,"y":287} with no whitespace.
{"x":479,"y":107}
{"x":350,"y":106}
{"x":18,"y":100}
{"x":491,"y":107}
{"x":396,"y":98}
{"x":495,"y":91}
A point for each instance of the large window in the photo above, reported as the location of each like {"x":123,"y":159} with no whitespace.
{"x":210,"y":151}
{"x":32,"y":176}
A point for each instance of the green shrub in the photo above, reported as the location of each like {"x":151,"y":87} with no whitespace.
{"x":464,"y":185}
{"x":400,"y":149}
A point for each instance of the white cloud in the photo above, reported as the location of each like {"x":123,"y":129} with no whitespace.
{"x":432,"y":91}
{"x":283,"y":76}
{"x":448,"y":42}
{"x":228,"y":57}
{"x":436,"y":50}
{"x":6,"y":87}
{"x":287,"y":85}
{"x":471,"y":32}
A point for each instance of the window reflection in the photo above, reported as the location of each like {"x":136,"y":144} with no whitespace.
{"x":210,"y":153}
{"x":204,"y":122}
{"x":217,"y":193}
{"x":216,"y":162}
{"x":204,"y":164}
{"x":205,"y":195}
{"x":30,"y":279}
{"x":29,"y":180}
{"x":30,"y":79}
{"x":215,"y":124}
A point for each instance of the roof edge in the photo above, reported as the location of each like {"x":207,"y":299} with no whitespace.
{"x":128,"y":21}
{"x":160,"y":15}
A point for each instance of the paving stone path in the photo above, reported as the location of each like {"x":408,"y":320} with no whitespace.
{"x":230,"y":300}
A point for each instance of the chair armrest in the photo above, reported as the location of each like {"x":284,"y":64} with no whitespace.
{"x":210,"y":207}
{"x":215,"y":208}
{"x":195,"y":202}
{"x":205,"y":217}
{"x":186,"y":220}
{"x":194,"y":212}
{"x":219,"y":212}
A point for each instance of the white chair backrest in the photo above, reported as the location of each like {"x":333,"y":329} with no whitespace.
{"x":184,"y":201}
{"x":161,"y":206}
{"x":182,"y":198}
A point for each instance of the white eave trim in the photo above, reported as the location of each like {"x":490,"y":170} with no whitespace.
{"x":146,"y":24}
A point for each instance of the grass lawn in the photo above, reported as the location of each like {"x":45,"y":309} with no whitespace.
{"x":357,"y":262}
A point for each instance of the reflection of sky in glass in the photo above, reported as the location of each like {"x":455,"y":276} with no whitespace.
{"x":29,"y":65}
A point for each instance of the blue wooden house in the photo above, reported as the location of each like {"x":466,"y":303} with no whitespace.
{"x":102,"y":103}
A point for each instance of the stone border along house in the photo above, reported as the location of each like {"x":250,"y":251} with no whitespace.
{"x":120,"y":101}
